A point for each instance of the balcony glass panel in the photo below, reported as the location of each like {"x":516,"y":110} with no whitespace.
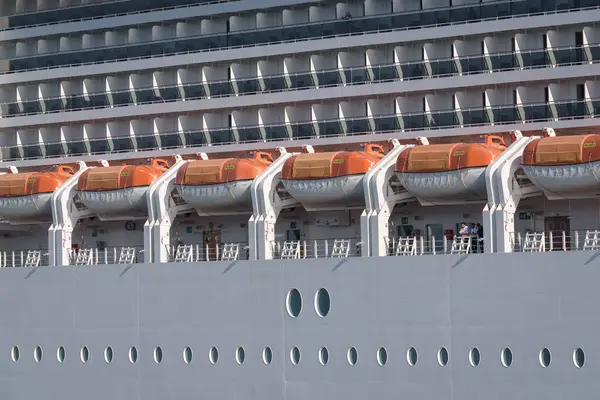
{"x":445,"y":118}
{"x":275,"y":83}
{"x":328,"y":78}
{"x":330,"y":128}
{"x":535,"y":58}
{"x":384,"y":73}
{"x":568,"y":56}
{"x":356,"y":76}
{"x":75,"y":102}
{"x":53,"y":104}
{"x":31,"y":107}
{"x":122,"y":98}
{"x":122,"y":144}
{"x":13,"y":153}
{"x":385,"y":124}
{"x":254,"y":37}
{"x":224,"y":135}
{"x":12,"y":109}
{"x":146,"y":142}
{"x":303,"y":130}
{"x":571,"y":110}
{"x":93,"y":100}
{"x":76,"y":147}
{"x":536,"y":112}
{"x":474,"y":117}
{"x":247,"y":85}
{"x":471,"y":65}
{"x":194,"y":138}
{"x":144,"y":95}
{"x":169,"y":93}
{"x":502,"y":61}
{"x":54,"y":149}
{"x":413,"y":121}
{"x":99,"y":146}
{"x":169,"y":140}
{"x":194,"y":91}
{"x":413,"y":70}
{"x":301,"y":81}
{"x":505,"y":114}
{"x":249,"y":134}
{"x":216,"y":89}
{"x":276,"y":132}
{"x":442,"y":67}
{"x":32,"y":151}
{"x":357,"y":125}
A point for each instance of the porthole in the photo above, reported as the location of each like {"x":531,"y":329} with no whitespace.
{"x":323,"y":355}
{"x":322,"y":302}
{"x":133,"y":355}
{"x":579,"y":358}
{"x":295,"y":356}
{"x":108,"y":354}
{"x":158,"y":355}
{"x":506,"y":357}
{"x":38,"y":354}
{"x":442,"y":357}
{"x":60,"y":354}
{"x":474,"y":357}
{"x":412,"y":356}
{"x":213,"y":355}
{"x":84,"y":354}
{"x":382,"y":356}
{"x":545,"y":357}
{"x":15,"y":353}
{"x":240,"y":355}
{"x":267,"y":355}
{"x":187,"y":355}
{"x":294,"y":303}
{"x":352,"y":356}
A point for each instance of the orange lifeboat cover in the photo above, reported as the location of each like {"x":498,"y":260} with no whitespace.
{"x":330,"y":164}
{"x":119,"y":177}
{"x":28,"y":183}
{"x":223,"y":170}
{"x":447,"y":157}
{"x":561,"y":150}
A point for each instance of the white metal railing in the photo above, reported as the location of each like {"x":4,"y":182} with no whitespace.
{"x":23,"y":258}
{"x":227,"y":251}
{"x":556,"y":240}
{"x":107,"y":255}
{"x":322,"y":248}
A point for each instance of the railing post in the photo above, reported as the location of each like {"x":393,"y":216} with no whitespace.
{"x":304,"y":249}
{"x":217,"y":252}
{"x":564,"y":241}
{"x":326,"y":248}
{"x":316,"y":249}
{"x":432,"y":245}
{"x":207,"y":253}
{"x":422,"y":242}
{"x":551,"y":237}
{"x":576,"y":240}
{"x":22,"y":260}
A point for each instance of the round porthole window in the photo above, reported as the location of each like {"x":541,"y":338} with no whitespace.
{"x":322,"y":302}
{"x":506,"y":357}
{"x":133,"y":355}
{"x":474,"y":357}
{"x":213,"y":355}
{"x":15,"y":353}
{"x":412,"y":356}
{"x":267,"y":355}
{"x":352,"y":356}
{"x":295,"y":356}
{"x":382,"y":356}
{"x":187,"y":355}
{"x":84,"y":354}
{"x":60,"y":354}
{"x":442,"y":357}
{"x":294,"y":303}
{"x":323,"y":356}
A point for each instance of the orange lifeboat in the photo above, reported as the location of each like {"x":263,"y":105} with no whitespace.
{"x":119,"y":189}
{"x":438,"y":172}
{"x":322,"y":180}
{"x":565,"y":167}
{"x":221,"y":184}
{"x":26,"y":196}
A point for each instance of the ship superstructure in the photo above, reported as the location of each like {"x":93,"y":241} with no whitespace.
{"x":240,"y":135}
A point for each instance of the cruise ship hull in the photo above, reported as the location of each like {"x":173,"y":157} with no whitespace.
{"x":525,"y":302}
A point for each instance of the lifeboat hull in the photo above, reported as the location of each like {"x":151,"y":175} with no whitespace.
{"x":115,"y":202}
{"x":231,"y":196}
{"x":566,"y":181}
{"x":35,"y":207}
{"x":442,"y":187}
{"x":326,"y":193}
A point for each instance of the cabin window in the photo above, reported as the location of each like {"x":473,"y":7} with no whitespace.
{"x":496,"y":140}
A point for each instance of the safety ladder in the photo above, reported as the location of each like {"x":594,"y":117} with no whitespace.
{"x":290,"y":250}
{"x":184,"y":253}
{"x":534,"y":242}
{"x":84,"y":257}
{"x":33,"y":258}
{"x":231,"y":251}
{"x":461,"y":245}
{"x":407,"y":246}
{"x":592,"y":240}
{"x":341,"y":248}
{"x":127,"y":255}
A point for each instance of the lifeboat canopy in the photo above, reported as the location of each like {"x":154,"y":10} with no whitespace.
{"x":117,"y":190}
{"x":564,"y":167}
{"x":223,"y":184}
{"x":26,"y":196}
{"x":330,"y":179}
{"x":450,"y":172}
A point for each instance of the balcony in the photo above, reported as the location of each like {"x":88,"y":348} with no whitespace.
{"x":295,"y":33}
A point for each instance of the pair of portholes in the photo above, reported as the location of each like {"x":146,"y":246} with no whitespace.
{"x":322,"y":303}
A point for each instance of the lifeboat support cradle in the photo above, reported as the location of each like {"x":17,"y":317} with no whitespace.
{"x":266,"y":206}
{"x":380,"y":200}
{"x":161,"y":213}
{"x":64,"y":218}
{"x":499,"y":212}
